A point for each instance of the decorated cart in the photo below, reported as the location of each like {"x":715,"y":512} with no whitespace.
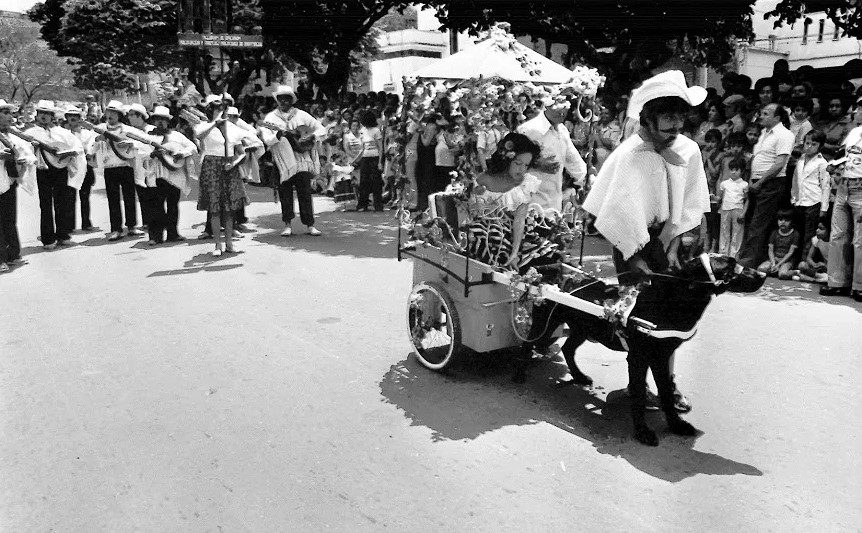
{"x":471,"y":290}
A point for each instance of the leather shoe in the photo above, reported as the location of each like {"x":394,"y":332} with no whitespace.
{"x":834,"y":291}
{"x":856,"y":295}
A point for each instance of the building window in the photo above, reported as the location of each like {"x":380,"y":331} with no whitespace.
{"x":772,"y":43}
{"x":412,"y":53}
{"x":820,"y":30}
{"x":837,"y":33}
{"x":805,"y":31}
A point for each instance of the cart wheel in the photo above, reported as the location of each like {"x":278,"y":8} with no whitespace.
{"x":434,"y":326}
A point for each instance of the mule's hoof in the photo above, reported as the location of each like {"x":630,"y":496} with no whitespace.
{"x":645,"y":435}
{"x":681,"y":427}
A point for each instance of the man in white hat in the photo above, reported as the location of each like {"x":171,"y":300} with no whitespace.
{"x":249,"y":169}
{"x":17,"y":165}
{"x":88,"y":140}
{"x":558,"y":152}
{"x":137,"y":116}
{"x":651,"y":190}
{"x":168,"y":173}
{"x":297,"y":168}
{"x":117,"y":156}
{"x":60,"y":170}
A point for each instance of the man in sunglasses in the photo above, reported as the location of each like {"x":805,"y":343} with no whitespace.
{"x":652,"y":189}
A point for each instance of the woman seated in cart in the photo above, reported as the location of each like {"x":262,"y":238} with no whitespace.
{"x":508,"y":184}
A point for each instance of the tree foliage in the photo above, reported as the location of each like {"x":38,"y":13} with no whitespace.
{"x":844,"y":13}
{"x":29,"y":69}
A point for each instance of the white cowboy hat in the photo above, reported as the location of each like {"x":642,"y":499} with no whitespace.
{"x":284,"y":90}
{"x":74,"y":110}
{"x":232,"y":111}
{"x":161,"y":111}
{"x":139,"y":109}
{"x":670,"y":83}
{"x":212,"y":99}
{"x":45,"y":106}
{"x":6,"y":105}
{"x":117,"y":106}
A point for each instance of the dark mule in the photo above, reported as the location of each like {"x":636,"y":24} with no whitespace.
{"x":674,"y":302}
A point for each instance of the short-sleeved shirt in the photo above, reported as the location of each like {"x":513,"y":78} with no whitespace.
{"x":733,"y":194}
{"x":773,"y":143}
{"x":853,"y":148}
{"x":821,"y":247}
{"x":369,"y":138}
{"x":781,"y":243}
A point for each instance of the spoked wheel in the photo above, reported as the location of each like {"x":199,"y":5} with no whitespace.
{"x":434,"y":326}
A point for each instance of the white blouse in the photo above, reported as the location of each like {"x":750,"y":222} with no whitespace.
{"x":524,"y":193}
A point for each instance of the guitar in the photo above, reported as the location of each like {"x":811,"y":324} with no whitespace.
{"x":302,"y":138}
{"x":170,"y":158}
{"x":56,"y":154}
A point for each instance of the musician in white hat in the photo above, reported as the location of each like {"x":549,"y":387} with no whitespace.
{"x":291,"y":135}
{"x":137,"y":116}
{"x":88,"y":140}
{"x":116,"y":155}
{"x":17,"y":166}
{"x":652,"y":188}
{"x":249,"y":169}
{"x":167,"y":174}
{"x":60,"y":170}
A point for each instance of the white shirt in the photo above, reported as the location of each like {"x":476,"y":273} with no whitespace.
{"x":77,"y":166}
{"x":106,"y":157}
{"x":799,"y":129}
{"x":26,"y":163}
{"x":523,"y":193}
{"x":772,"y":144}
{"x":369,"y":137}
{"x":443,"y":156}
{"x":811,"y":183}
{"x":733,"y":194}
{"x":288,"y":161}
{"x":554,"y":142}
{"x":853,"y":148}
{"x":155,"y":169}
{"x":214,"y":144}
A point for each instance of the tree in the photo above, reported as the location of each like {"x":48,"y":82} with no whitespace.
{"x":29,"y":69}
{"x":114,"y":39}
{"x":844,"y":13}
{"x":624,"y":39}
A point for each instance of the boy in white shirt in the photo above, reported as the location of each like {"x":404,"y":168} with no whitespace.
{"x":732,"y":194}
{"x":810,"y":189}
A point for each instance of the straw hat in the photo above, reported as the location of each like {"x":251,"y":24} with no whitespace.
{"x":161,"y":111}
{"x":670,"y":83}
{"x":212,"y":99}
{"x":284,"y":90}
{"x":6,"y":105}
{"x":116,"y":106}
{"x":45,"y":106}
{"x":139,"y":109}
{"x":74,"y":110}
{"x":232,"y":112}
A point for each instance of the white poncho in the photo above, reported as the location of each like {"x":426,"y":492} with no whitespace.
{"x":638,"y":188}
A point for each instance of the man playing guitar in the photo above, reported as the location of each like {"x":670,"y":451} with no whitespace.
{"x":116,"y":154}
{"x":17,"y":165}
{"x":168,"y":173}
{"x":88,"y":140}
{"x":296,"y":166}
{"x":60,"y":169}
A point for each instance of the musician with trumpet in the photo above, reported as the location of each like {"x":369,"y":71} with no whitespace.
{"x":17,"y":165}
{"x":117,"y":154}
{"x":291,"y":135}
{"x":60,"y":170}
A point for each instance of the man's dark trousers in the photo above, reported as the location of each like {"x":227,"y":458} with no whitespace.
{"x":762,"y":210}
{"x":10,"y":246}
{"x":118,"y":178}
{"x":84,"y":195}
{"x":165,"y":210}
{"x":301,"y":181}
{"x":56,"y":205}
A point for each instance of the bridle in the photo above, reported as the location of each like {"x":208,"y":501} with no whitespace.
{"x":707,"y":265}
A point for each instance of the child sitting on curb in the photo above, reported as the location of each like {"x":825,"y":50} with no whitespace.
{"x":783,"y":244}
{"x":813,"y":268}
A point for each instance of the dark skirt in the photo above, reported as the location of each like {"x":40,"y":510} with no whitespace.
{"x":220,"y":189}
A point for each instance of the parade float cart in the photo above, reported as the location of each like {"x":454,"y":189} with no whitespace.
{"x":460,"y":305}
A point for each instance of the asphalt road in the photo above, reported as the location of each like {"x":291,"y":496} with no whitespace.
{"x":165,"y":390}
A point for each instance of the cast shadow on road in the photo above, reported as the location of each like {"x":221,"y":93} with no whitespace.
{"x":369,"y":234}
{"x":203,"y":262}
{"x":794,"y":292}
{"x":480,"y":398}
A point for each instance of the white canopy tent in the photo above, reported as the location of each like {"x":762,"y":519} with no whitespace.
{"x":489,"y":58}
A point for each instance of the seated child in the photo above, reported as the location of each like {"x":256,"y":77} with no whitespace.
{"x":342,"y":180}
{"x":813,"y":267}
{"x":783,"y":244}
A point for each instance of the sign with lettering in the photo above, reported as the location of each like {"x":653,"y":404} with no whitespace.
{"x":226,"y":40}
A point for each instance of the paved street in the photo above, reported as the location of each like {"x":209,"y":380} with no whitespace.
{"x":165,"y":390}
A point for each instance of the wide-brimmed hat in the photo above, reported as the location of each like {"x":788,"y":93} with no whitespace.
{"x":6,"y":105}
{"x":116,"y":106}
{"x":161,"y":111}
{"x":733,"y":99}
{"x":232,"y":111}
{"x":284,"y":90}
{"x":45,"y":106}
{"x":74,"y":110}
{"x":212,"y":99}
{"x":139,"y":109}
{"x":670,"y":83}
